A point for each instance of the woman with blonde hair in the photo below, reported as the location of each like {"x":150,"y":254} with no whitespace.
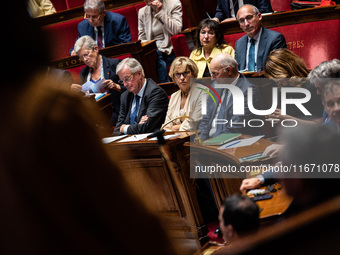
{"x":187,"y":100}
{"x":289,"y":70}
{"x":284,"y":63}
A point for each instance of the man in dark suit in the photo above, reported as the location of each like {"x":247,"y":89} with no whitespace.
{"x":223,"y":70}
{"x":105,"y":27}
{"x":143,"y":106}
{"x":252,"y":49}
{"x":225,"y":10}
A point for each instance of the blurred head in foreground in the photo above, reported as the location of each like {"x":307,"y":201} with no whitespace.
{"x":312,"y":154}
{"x":61,"y":191}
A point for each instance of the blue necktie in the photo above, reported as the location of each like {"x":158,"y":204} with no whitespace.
{"x":133,"y":115}
{"x":251,"y":56}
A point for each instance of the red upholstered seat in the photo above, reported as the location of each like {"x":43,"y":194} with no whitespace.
{"x":313,"y":41}
{"x":131,"y":16}
{"x":59,"y":5}
{"x":280,"y":5}
{"x":231,"y":39}
{"x":180,"y":45}
{"x":138,"y":6}
{"x":74,"y":3}
{"x":62,"y":37}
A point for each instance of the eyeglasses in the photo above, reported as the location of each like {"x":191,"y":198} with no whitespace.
{"x":248,"y":18}
{"x":179,"y":75}
{"x":86,"y":55}
{"x":214,"y":74}
{"x":94,"y":17}
{"x":126,"y":79}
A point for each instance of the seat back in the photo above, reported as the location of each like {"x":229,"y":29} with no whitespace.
{"x":74,"y":3}
{"x":131,"y":16}
{"x":280,"y":5}
{"x":313,"y":41}
{"x":59,"y":5}
{"x":62,"y":37}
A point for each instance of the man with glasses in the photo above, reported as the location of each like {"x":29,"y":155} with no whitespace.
{"x":223,"y":70}
{"x":143,"y":106}
{"x":105,"y":27}
{"x":252,"y":49}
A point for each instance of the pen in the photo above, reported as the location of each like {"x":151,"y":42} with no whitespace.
{"x":208,"y":15}
{"x":135,"y":136}
{"x":233,"y":144}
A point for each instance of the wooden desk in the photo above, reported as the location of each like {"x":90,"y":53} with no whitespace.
{"x":228,"y":184}
{"x":275,"y":206}
{"x":145,"y":169}
{"x":145,"y":53}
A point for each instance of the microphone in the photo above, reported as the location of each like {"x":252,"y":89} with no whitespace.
{"x":156,"y":133}
{"x":198,"y":139}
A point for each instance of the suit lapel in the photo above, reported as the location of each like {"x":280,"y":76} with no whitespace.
{"x":148,"y":22}
{"x":106,"y":68}
{"x":107,"y":28}
{"x":142,"y":102}
{"x":243,"y":58}
{"x":262,"y":47}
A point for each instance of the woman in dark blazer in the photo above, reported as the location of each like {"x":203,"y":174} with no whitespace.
{"x":97,"y":68}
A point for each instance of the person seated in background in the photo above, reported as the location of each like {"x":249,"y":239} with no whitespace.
{"x":331,"y":102}
{"x":226,"y":10}
{"x":224,"y":71}
{"x":98,"y":68}
{"x":289,"y":70}
{"x":105,"y":27}
{"x":159,"y":20}
{"x":62,"y":192}
{"x":252,"y":49}
{"x":143,"y":106}
{"x":38,"y":8}
{"x":187,"y":100}
{"x":319,"y":77}
{"x":209,"y":41}
{"x":238,"y":217}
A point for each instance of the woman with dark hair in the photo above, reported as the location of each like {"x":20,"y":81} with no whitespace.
{"x":209,"y":42}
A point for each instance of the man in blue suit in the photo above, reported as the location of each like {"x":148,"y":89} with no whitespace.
{"x":227,"y":9}
{"x":223,"y":70}
{"x":252,"y":49}
{"x":105,"y":27}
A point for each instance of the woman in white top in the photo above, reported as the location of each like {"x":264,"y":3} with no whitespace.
{"x":187,"y":100}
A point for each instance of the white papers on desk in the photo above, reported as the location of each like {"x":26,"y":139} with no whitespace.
{"x":112,"y":139}
{"x":241,"y":142}
{"x":93,"y":87}
{"x":134,"y":138}
{"x":165,"y":137}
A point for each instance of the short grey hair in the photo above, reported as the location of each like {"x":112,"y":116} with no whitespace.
{"x":256,"y":11}
{"x":133,"y":65}
{"x":94,"y":5}
{"x":84,"y":42}
{"x":331,"y":87}
{"x":226,"y":61}
{"x":325,"y":70}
